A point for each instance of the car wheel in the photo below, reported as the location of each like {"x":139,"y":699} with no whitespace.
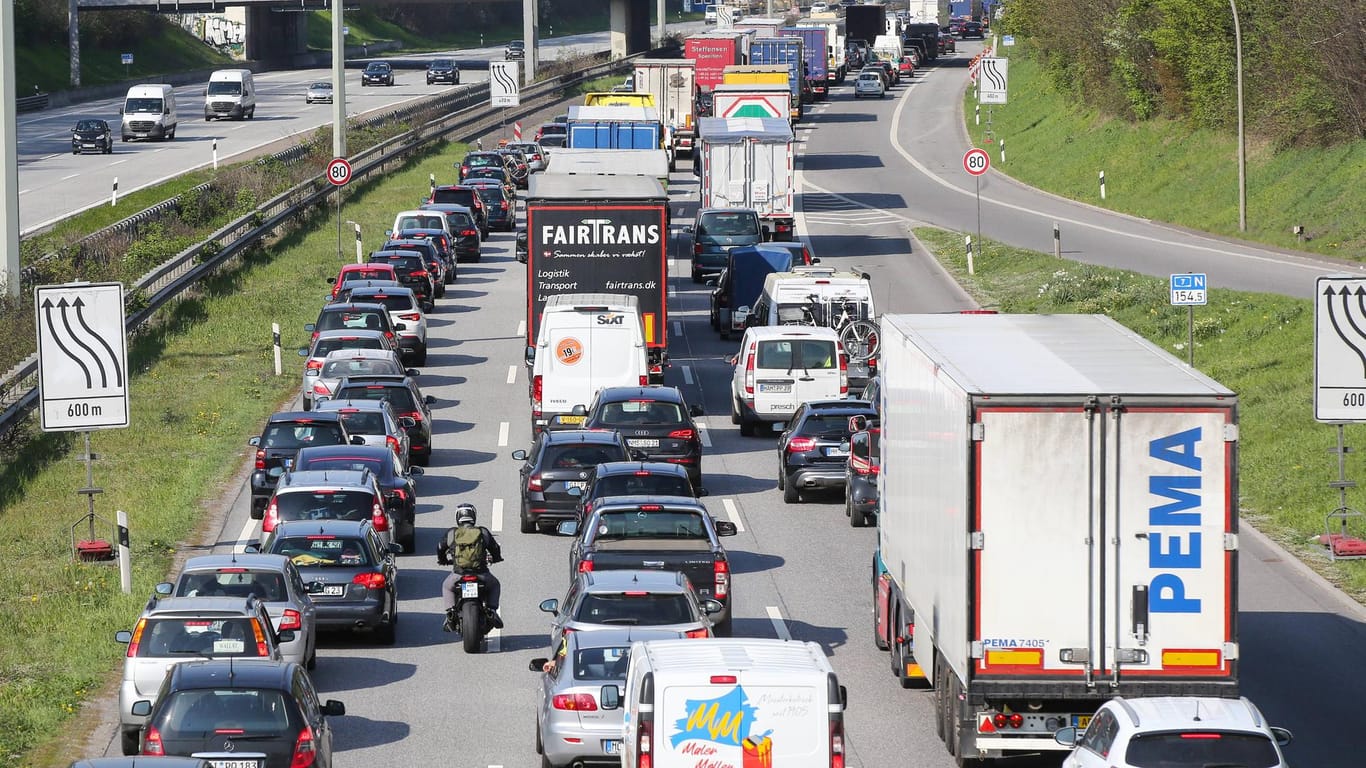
{"x":441,"y":289}
{"x":75,"y":151}
{"x":528,"y":525}
{"x":128,"y":742}
{"x":109,"y":149}
{"x":746,"y":427}
{"x":311,"y":663}
{"x":252,"y":114}
{"x":421,"y":357}
{"x":791,"y":495}
{"x":782,"y":478}
{"x":386,"y":634}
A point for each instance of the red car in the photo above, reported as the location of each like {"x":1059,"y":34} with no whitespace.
{"x":906,"y":66}
{"x":350,"y":272}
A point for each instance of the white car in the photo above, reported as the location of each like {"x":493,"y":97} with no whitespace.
{"x":405,"y":313}
{"x":1175,"y":732}
{"x":779,"y":368}
{"x":819,"y":8}
{"x":869,"y":84}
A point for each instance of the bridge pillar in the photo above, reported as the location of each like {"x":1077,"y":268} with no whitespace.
{"x":630,"y":28}
{"x":274,"y":38}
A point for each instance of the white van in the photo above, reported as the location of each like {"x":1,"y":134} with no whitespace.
{"x":231,"y":93}
{"x":818,"y":295}
{"x":888,"y":47}
{"x":730,"y":701}
{"x":586,"y":341}
{"x":149,"y":112}
{"x":780,"y":367}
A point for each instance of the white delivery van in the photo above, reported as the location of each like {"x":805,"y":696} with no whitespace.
{"x":731,"y":701}
{"x":781,"y":367}
{"x":888,"y":47}
{"x":149,"y":112}
{"x":587,"y":341}
{"x":231,"y":93}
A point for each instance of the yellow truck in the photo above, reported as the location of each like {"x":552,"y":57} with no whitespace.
{"x":762,"y":74}
{"x":619,"y":99}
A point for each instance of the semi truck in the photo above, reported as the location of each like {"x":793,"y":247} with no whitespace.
{"x":865,"y":22}
{"x":785,"y":51}
{"x":815,"y":58}
{"x":1058,"y":524}
{"x":600,"y":234}
{"x":618,"y":128}
{"x":752,"y":100}
{"x":747,"y":163}
{"x":837,"y":67}
{"x":711,"y":53}
{"x":672,"y":84}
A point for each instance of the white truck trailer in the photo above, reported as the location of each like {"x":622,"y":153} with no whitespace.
{"x":747,"y":162}
{"x":673,"y":83}
{"x":1059,"y":523}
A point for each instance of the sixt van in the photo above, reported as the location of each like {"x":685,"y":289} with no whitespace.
{"x":587,"y":341}
{"x":732,"y":703}
{"x":1059,"y":523}
{"x":149,"y":112}
{"x":231,"y":93}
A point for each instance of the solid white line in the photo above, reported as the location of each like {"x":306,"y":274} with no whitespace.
{"x":687,"y":374}
{"x":72,"y":176}
{"x":247,"y":536}
{"x":733,"y":514}
{"x":502,"y":434}
{"x":512,"y":374}
{"x":116,"y":162}
{"x":703,"y":435}
{"x":496,"y":516}
{"x":521,"y":328}
{"x":779,"y":625}
{"x":49,"y":157}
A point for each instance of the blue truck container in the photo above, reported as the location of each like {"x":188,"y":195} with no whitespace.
{"x":815,"y":53}
{"x":784,"y":50}
{"x":615,"y":128}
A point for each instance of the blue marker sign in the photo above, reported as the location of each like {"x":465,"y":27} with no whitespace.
{"x":1189,"y":290}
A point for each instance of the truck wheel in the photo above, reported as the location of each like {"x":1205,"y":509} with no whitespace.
{"x":941,"y":698}
{"x":953,"y":725}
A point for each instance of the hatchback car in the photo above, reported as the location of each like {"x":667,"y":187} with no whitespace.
{"x":284,"y":434}
{"x":607,"y":599}
{"x":464,"y":227}
{"x":396,"y":481}
{"x":354,"y":316}
{"x":318,"y":93}
{"x":502,"y":208}
{"x":433,"y":262}
{"x":350,"y":571}
{"x":715,"y":231}
{"x":559,"y":462}
{"x":515,"y":50}
{"x":370,"y":346}
{"x":376,"y":422}
{"x":535,"y":156}
{"x":1174,"y":732}
{"x":411,"y":269}
{"x":573,"y":724}
{"x":973,"y":29}
{"x":443,"y":71}
{"x":555,"y":128}
{"x":442,"y":240}
{"x":263,"y":715}
{"x":405,"y":313}
{"x":355,"y":272}
{"x":92,"y":135}
{"x":269,"y":578}
{"x":377,"y":73}
{"x":460,"y":194}
{"x":655,"y":421}
{"x":814,"y":449}
{"x":635,"y":478}
{"x":489,"y":175}
{"x":328,"y":494}
{"x":408,"y":402}
{"x":173,"y":630}
{"x":479,"y":159}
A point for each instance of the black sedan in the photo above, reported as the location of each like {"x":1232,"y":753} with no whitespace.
{"x":973,"y":29}
{"x":403,"y":394}
{"x":557,"y":469}
{"x":813,"y":452}
{"x":635,"y":478}
{"x":377,"y":73}
{"x":399,"y":487}
{"x":92,"y":136}
{"x":443,"y":71}
{"x":655,"y":421}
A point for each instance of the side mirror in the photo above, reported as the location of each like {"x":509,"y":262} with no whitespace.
{"x":407,"y":422}
{"x":726,"y":528}
{"x":400,"y":326}
{"x":687,"y":228}
{"x":609,"y":697}
{"x":252,"y":549}
{"x":331,"y":280}
{"x":537,"y":665}
{"x":429,"y":400}
{"x":695,"y":411}
{"x":1282,"y":736}
{"x":309,"y":327}
{"x":164,"y":589}
{"x":141,"y":708}
{"x":712,"y":607}
{"x":844,"y":697}
{"x":389,"y":233}
{"x":166,"y":111}
{"x":286,"y":636}
{"x":412,"y":372}
{"x":416,"y":471}
{"x":858,"y":423}
{"x":303,"y":351}
{"x":123,"y":636}
{"x":844,"y":446}
{"x":579,"y":410}
{"x":567,"y":528}
{"x":254,"y":441}
{"x":1066,"y":736}
{"x":548,"y":606}
{"x":395,"y":548}
{"x":333,"y":708}
{"x":815,"y":260}
{"x":530,"y":354}
{"x":358,"y":440}
{"x":712,"y":281}
{"x":520,"y":455}
{"x":733,"y":359}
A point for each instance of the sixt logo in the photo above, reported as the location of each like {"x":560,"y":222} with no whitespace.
{"x":611,"y":319}
{"x":1175,"y":544}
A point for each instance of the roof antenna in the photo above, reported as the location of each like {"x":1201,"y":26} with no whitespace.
{"x":1197,"y":710}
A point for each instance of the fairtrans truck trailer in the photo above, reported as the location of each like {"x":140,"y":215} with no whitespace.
{"x":1059,"y":523}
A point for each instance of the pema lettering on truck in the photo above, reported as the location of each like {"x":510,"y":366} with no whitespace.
{"x":1175,"y":542}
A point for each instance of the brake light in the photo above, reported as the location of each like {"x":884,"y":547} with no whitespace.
{"x":377,"y":517}
{"x":682,"y":434}
{"x":533,"y":483}
{"x":644,"y":758}
{"x":421,"y":273}
{"x":801,"y":444}
{"x":400,"y":494}
{"x":574,"y":702}
{"x":151,"y":743}
{"x":303,"y":750}
{"x":321,"y":389}
{"x":392,"y":442}
{"x":724,"y":679}
{"x":697,"y":249}
{"x":504,"y":205}
{"x":291,"y":620}
{"x":844,"y":373}
{"x":696,"y":634}
{"x":536,"y":396}
{"x":645,"y":378}
{"x":749,"y":371}
{"x":410,"y":316}
{"x":260,"y":633}
{"x":272,"y":517}
{"x":370,"y":580}
{"x":260,"y":458}
{"x":1201,"y":736}
{"x":414,"y":415}
{"x":836,"y":743}
{"x":137,"y":638}
{"x":314,"y":365}
{"x":586,"y":565}
{"x":721,"y":570}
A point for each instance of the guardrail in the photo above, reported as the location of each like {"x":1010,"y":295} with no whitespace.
{"x":18,"y":387}
{"x":31,"y":103}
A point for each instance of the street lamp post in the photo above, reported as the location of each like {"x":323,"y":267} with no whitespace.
{"x":1242,"y":143}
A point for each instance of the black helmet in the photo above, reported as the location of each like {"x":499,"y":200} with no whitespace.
{"x":466,"y":515}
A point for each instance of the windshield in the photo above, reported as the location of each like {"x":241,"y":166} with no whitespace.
{"x":143,"y":105}
{"x":176,"y":636}
{"x":399,"y":397}
{"x":642,"y":485}
{"x":364,"y":422}
{"x":322,"y":551}
{"x":442,"y":64}
{"x":639,"y":524}
{"x":784,"y":354}
{"x":643,"y":609}
{"x":91,"y":125}
{"x":325,"y":346}
{"x":323,"y":86}
{"x":729,"y":223}
{"x":301,"y":435}
{"x":332,"y":321}
{"x":1197,"y":750}
{"x":233,"y":582}
{"x":376,"y":67}
{"x":324,"y":505}
{"x":491,"y":195}
{"x":225,"y":88}
{"x":640,"y":413}
{"x":602,"y":663}
{"x":198,"y":712}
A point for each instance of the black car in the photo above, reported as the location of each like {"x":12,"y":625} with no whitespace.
{"x":349,"y":570}
{"x":552,"y":129}
{"x":431,"y":257}
{"x":284,"y":435}
{"x":636,"y":478}
{"x":460,"y":194}
{"x":400,"y":490}
{"x":403,"y":394}
{"x":515,"y":50}
{"x":91,"y":136}
{"x":377,"y":73}
{"x":560,"y":461}
{"x":443,"y":71}
{"x":491,"y":175}
{"x":973,"y":29}
{"x":347,"y":315}
{"x":265,"y":713}
{"x":501,"y":208}
{"x":655,"y":421}
{"x":464,"y":230}
{"x":813,"y":450}
{"x":444,"y":248}
{"x":521,"y":248}
{"x":865,"y":463}
{"x":479,"y":159}
{"x":412,"y":273}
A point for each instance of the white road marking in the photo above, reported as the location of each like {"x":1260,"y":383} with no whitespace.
{"x":687,"y":375}
{"x":521,"y":328}
{"x":512,"y":374}
{"x":733,"y":514}
{"x":59,"y":154}
{"x":117,"y":162}
{"x":495,"y":641}
{"x":72,"y":176}
{"x":502,"y":434}
{"x":779,"y":624}
{"x":703,"y":435}
{"x":496,"y":516}
{"x":247,"y":536}
{"x":678,"y":327}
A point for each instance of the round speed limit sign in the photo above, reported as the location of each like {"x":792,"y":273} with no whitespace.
{"x":338,"y":171}
{"x":976,"y":161}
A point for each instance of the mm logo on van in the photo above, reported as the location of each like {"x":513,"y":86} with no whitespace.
{"x":569,"y":351}
{"x":611,"y":319}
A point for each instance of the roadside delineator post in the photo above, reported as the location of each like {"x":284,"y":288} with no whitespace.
{"x":1057,"y":239}
{"x":275,"y":341}
{"x":1102,"y":185}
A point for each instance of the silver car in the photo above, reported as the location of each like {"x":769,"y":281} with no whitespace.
{"x":342,"y":363}
{"x":271,"y":578}
{"x":612,"y":599}
{"x":405,"y":311}
{"x":376,"y":422}
{"x":318,"y":93}
{"x":869,"y":83}
{"x":535,"y":156}
{"x":332,"y":341}
{"x":572,"y":725}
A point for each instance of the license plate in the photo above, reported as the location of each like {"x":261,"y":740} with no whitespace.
{"x":580,"y":484}
{"x":776,"y":389}
{"x":571,"y":419}
{"x":234,"y":763}
{"x":334,"y":590}
{"x":1081,"y":721}
{"x":611,"y":747}
{"x":836,"y":452}
{"x":469,"y":589}
{"x":643,"y":443}
{"x":87,"y":146}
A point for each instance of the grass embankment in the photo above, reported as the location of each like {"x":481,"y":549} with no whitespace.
{"x":1170,"y":172}
{"x":202,"y":385}
{"x":48,"y":65}
{"x":1258,"y":344}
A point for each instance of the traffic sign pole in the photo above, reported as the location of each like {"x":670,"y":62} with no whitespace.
{"x":976,"y":162}
{"x":1189,"y":290}
{"x":339,"y":173}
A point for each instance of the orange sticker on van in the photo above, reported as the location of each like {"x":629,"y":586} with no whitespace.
{"x":569,"y":350}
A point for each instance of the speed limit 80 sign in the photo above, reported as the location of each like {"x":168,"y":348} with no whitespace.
{"x":339,"y":171}
{"x":976,"y":161}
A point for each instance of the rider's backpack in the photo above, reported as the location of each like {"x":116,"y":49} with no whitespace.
{"x":468,"y":549}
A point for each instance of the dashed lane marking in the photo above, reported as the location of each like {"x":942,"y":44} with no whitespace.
{"x":779,"y":623}
{"x":521,"y":328}
{"x":687,"y":375}
{"x":512,"y":374}
{"x":496,"y":516}
{"x":703,"y":435}
{"x":678,"y":328}
{"x":502,"y":434}
{"x":733,"y":514}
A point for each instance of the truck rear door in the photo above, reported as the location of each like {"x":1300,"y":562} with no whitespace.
{"x":759,"y":160}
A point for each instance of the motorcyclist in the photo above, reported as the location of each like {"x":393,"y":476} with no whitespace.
{"x":466,"y":516}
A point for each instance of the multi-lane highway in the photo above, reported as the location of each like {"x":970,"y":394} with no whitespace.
{"x":871,"y":170}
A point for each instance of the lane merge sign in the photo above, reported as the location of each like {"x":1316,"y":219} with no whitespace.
{"x":1188,"y":290}
{"x":82,"y":356}
{"x":339,"y":171}
{"x":1340,"y":349}
{"x":976,"y":161}
{"x":504,"y":84}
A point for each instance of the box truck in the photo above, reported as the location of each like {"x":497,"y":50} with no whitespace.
{"x":753,"y":100}
{"x":785,"y":51}
{"x":815,"y":57}
{"x":746,"y":162}
{"x":1059,"y":523}
{"x":618,"y":128}
{"x":672,"y":84}
{"x":865,"y":22}
{"x":762,"y":27}
{"x":650,"y":163}
{"x":711,"y":53}
{"x":836,"y":65}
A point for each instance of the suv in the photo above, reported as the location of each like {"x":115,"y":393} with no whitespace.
{"x":431,"y":259}
{"x":814,"y":450}
{"x":559,"y":463}
{"x":515,"y":50}
{"x":395,"y":480}
{"x":284,"y":434}
{"x":355,"y":316}
{"x":444,"y":242}
{"x":411,"y":269}
{"x":479,"y":159}
{"x":715,"y":231}
{"x":403,"y":394}
{"x":535,"y":157}
{"x":779,"y":368}
{"x":377,"y":73}
{"x":501,"y":206}
{"x":654,"y":420}
{"x":405,"y":313}
{"x":175,"y":629}
{"x":608,"y":599}
{"x":635,"y":478}
{"x":264,"y":714}
{"x":328,"y":342}
{"x":1176,"y":731}
{"x":328,"y":494}
{"x":320,"y":383}
{"x":464,"y":227}
{"x":443,"y":71}
{"x":460,"y":194}
{"x":375,"y":421}
{"x":349,"y":569}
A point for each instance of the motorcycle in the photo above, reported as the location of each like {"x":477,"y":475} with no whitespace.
{"x":471,"y":615}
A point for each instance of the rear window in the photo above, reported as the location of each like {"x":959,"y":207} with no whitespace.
{"x":580,"y":456}
{"x":233,"y":582}
{"x":632,"y":524}
{"x":324,"y":505}
{"x":640,"y":413}
{"x":491,"y":194}
{"x":458,"y":221}
{"x":427,"y":221}
{"x":635,"y":610}
{"x":322,"y":551}
{"x":480,"y":161}
{"x":292,"y":435}
{"x":365,"y":366}
{"x":790,"y":355}
{"x":363,"y":320}
{"x":197,"y":713}
{"x":642,"y":485}
{"x":176,"y":636}
{"x":345,"y":462}
{"x":394,"y":302}
{"x":601,"y":663}
{"x":402,"y":264}
{"x":324,"y":347}
{"x":399,"y":397}
{"x":367,"y":274}
{"x":553,"y":140}
{"x":364,"y":423}
{"x":1196,"y":750}
{"x":827,"y":425}
{"x":457,"y":196}
{"x":729,"y":223}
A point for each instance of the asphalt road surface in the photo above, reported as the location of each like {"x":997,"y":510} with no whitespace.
{"x":800,"y":571}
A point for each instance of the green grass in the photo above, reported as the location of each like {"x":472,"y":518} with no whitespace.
{"x":202,"y":385}
{"x":48,"y":65}
{"x":1168,"y":171}
{"x":1260,"y":345}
